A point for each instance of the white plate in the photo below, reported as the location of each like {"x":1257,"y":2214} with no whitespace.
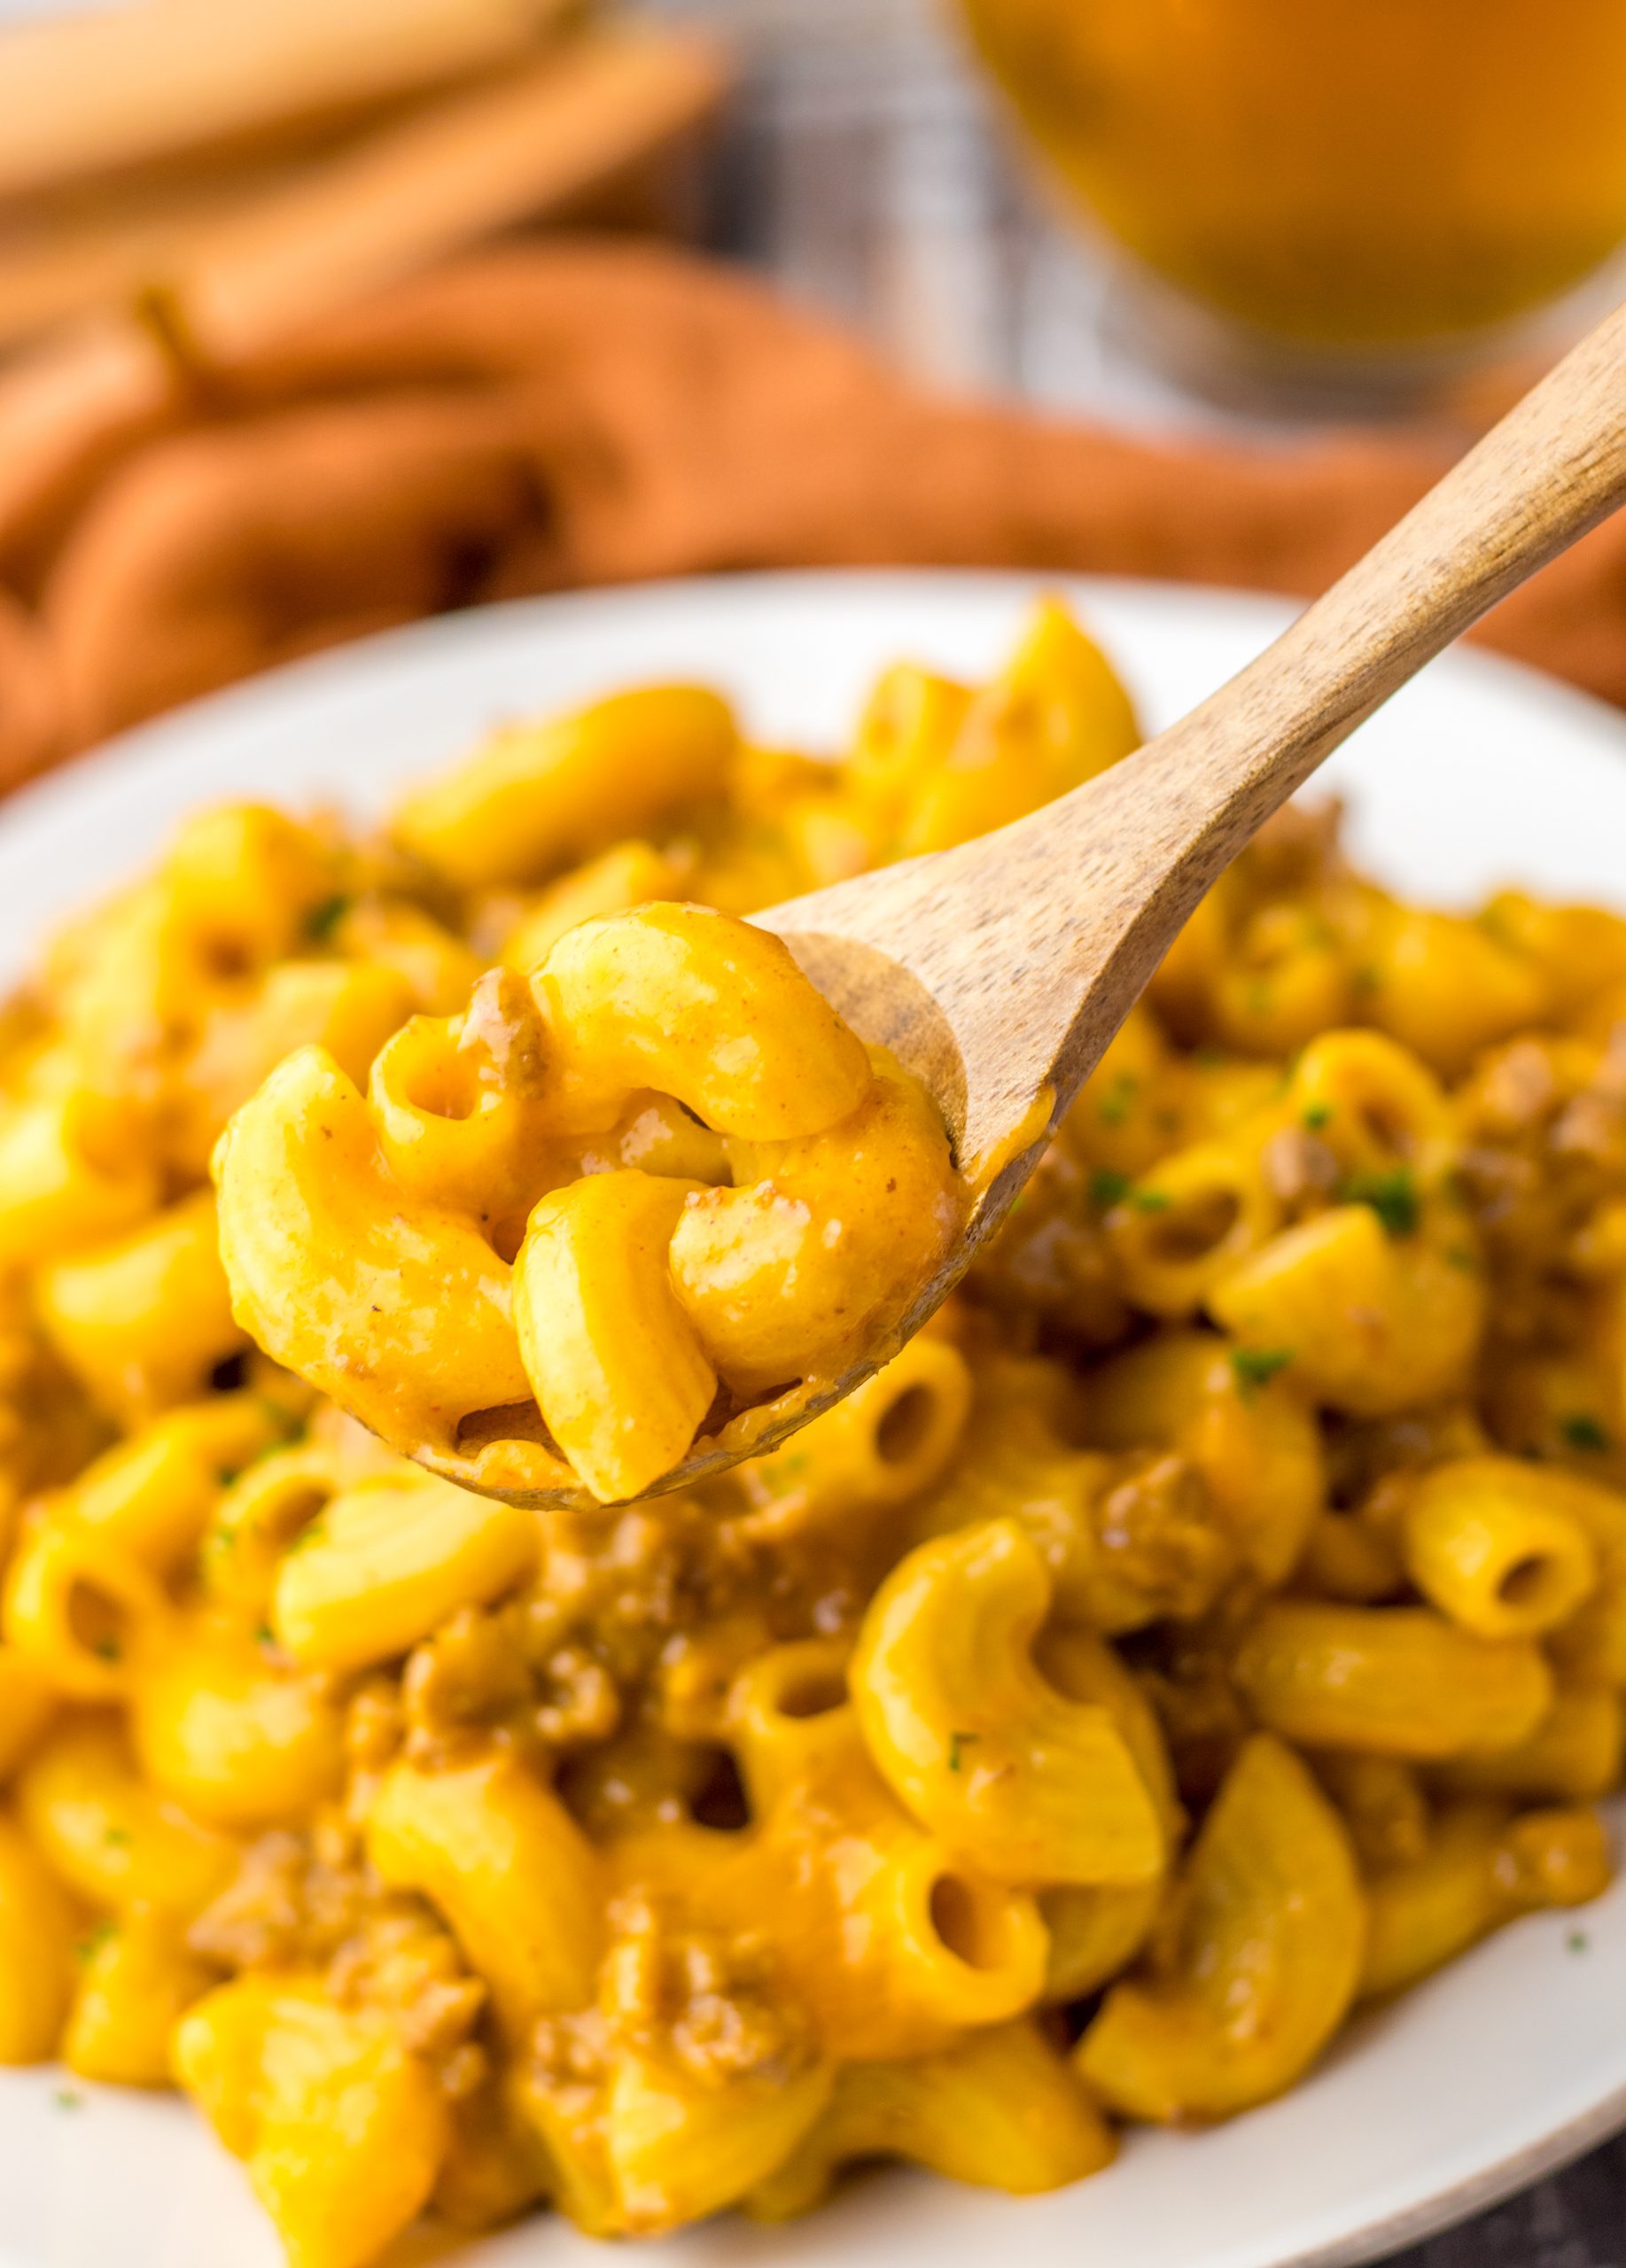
{"x":1511,"y":2059}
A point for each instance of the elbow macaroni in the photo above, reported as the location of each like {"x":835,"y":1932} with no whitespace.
{"x":368,"y":1242}
{"x":1005,"y":1769}
{"x":1266,"y":1961}
{"x":1214,"y":1618}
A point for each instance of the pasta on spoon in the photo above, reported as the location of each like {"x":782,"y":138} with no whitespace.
{"x":642,"y":1199}
{"x":635,"y":1202}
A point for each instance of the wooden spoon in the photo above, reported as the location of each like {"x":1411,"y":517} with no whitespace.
{"x":998,"y":972}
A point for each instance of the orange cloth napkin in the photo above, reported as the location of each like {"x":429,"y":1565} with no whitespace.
{"x":587,"y":413}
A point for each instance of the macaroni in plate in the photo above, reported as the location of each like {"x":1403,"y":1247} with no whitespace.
{"x":1211,"y":1623}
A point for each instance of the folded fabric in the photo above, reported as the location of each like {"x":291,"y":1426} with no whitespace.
{"x":580,"y":412}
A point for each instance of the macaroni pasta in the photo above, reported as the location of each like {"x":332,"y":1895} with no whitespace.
{"x":1213,"y":1620}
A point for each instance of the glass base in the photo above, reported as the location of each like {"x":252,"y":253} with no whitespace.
{"x":1467,"y":380}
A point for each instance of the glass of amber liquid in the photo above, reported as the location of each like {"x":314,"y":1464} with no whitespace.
{"x":1360,"y":184}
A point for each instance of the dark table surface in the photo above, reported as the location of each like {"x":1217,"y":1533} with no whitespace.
{"x":863,"y":170}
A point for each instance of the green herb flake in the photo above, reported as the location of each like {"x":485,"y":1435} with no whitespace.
{"x":1392,"y":1196}
{"x":1109,"y":1187}
{"x":1582,"y":1430}
{"x":1577,"y":1941}
{"x":1150,"y":1201}
{"x":1254,"y":1367}
{"x":1460,"y":1256}
{"x":323,"y":920}
{"x":1315,"y":1116}
{"x":1115,"y":1104}
{"x":233,"y":1472}
{"x":286,"y":1423}
{"x":264,"y":1636}
{"x":92,"y":1942}
{"x":958,"y":1743}
{"x":66,"y":2098}
{"x":106,"y":1649}
{"x":117,"y":1838}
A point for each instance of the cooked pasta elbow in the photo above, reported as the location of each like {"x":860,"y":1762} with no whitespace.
{"x":342,"y":2128}
{"x":1267,"y":1963}
{"x":1397,"y":1681}
{"x":1491,"y":1545}
{"x":497,"y":1853}
{"x":36,"y":1952}
{"x":824,"y":1243}
{"x":1010,"y":1775}
{"x":1000,"y":2110}
{"x":619,"y":1373}
{"x":635,"y":1000}
{"x":402,"y":1314}
{"x":392,"y":1558}
{"x":538,"y":794}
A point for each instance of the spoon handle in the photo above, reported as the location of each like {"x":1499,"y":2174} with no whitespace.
{"x":1100,"y":882}
{"x":1026,"y":947}
{"x":1552,"y":468}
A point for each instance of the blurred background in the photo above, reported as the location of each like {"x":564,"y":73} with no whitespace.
{"x":1182,"y":212}
{"x":1164,"y":212}
{"x":1203,"y":287}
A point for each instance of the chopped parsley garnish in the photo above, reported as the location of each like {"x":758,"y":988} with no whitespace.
{"x":1316,"y":1116}
{"x":1392,"y":1196}
{"x":289,"y":1424}
{"x":1582,"y":1430}
{"x":323,"y":920}
{"x":1114,"y":1105}
{"x":1577,"y":1941}
{"x":958,"y":1743}
{"x":1460,"y":1255}
{"x":66,"y":2098}
{"x":117,"y":1838}
{"x":1255,"y":1366}
{"x":1150,"y":1201}
{"x":228,"y":1473}
{"x":92,"y":1942}
{"x":1108,"y":1187}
